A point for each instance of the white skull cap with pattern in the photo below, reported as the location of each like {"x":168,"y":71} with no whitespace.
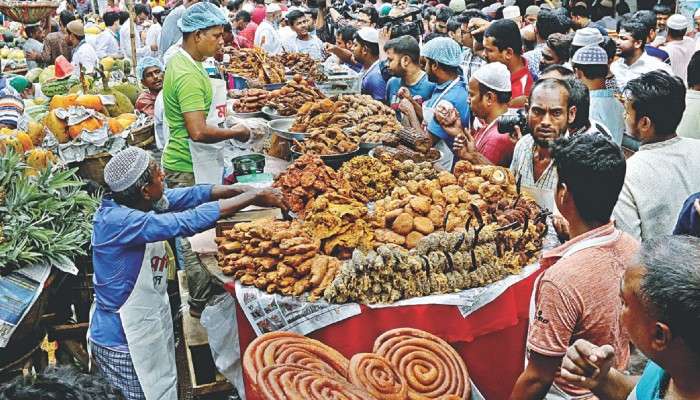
{"x":511,"y":12}
{"x":494,"y":76}
{"x":125,"y":168}
{"x":586,"y":37}
{"x":590,"y":55}
{"x":677,"y":22}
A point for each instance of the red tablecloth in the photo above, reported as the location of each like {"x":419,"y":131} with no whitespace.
{"x":491,"y":340}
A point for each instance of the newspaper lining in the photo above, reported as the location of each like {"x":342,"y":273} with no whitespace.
{"x":19,"y":290}
{"x":274,"y":312}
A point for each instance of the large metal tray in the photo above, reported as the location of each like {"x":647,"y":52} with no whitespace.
{"x":280,"y":127}
{"x":271,"y":113}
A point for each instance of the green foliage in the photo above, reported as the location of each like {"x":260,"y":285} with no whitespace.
{"x":43,"y":218}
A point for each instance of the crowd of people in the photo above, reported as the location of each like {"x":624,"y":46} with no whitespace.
{"x":595,"y":110}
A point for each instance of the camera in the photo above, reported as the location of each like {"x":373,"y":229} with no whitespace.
{"x":400,"y":27}
{"x":507,"y":122}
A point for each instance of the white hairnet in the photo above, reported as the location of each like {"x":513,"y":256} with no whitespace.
{"x":145,"y":63}
{"x":201,"y":16}
{"x":443,"y":50}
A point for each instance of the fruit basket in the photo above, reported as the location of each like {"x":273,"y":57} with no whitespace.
{"x":28,"y":12}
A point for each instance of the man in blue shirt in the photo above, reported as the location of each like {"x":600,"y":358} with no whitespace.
{"x":365,"y":51}
{"x":443,"y":59}
{"x":660,"y":299}
{"x":403,"y":62}
{"x":131,"y":336}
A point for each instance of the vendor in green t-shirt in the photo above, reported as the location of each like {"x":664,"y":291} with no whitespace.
{"x":187,"y":99}
{"x":187,"y":91}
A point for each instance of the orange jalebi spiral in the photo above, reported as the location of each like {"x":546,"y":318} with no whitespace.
{"x":377,"y":376}
{"x":287,"y":382}
{"x":430,"y":366}
{"x":277,"y":348}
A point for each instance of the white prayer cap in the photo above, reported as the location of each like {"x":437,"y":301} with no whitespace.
{"x":677,"y":22}
{"x":368,"y":34}
{"x":494,"y":76}
{"x":511,"y":12}
{"x":697,"y":13}
{"x":271,"y":8}
{"x":532,"y":10}
{"x":125,"y":168}
{"x":587,"y":37}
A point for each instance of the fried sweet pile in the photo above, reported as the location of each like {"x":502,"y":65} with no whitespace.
{"x":302,"y":64}
{"x":255,"y":64}
{"x":342,"y":111}
{"x":307,"y":178}
{"x":327,"y":141}
{"x":369,"y":178}
{"x":276,"y":256}
{"x":289,"y":98}
{"x":249,"y":100}
{"x":409,"y":170}
{"x":403,"y":153}
{"x":340,"y":222}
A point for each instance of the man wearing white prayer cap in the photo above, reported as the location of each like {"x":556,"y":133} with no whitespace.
{"x":679,"y":47}
{"x":267,"y":35}
{"x":489,"y":94}
{"x":513,"y":13}
{"x":131,"y":332}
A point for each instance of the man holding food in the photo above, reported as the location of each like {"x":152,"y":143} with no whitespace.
{"x":131,"y":333}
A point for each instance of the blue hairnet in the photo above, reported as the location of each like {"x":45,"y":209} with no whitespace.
{"x":201,"y":16}
{"x":443,"y":50}
{"x":147,"y":62}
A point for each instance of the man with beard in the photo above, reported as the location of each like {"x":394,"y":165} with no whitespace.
{"x":502,"y":43}
{"x":549,"y":115}
{"x":150,"y":71}
{"x":443,"y":58}
{"x":409,"y":86}
{"x":633,"y":61}
{"x":303,"y":41}
{"x":680,"y":48}
{"x":131,"y":331}
{"x":663,"y":171}
{"x":267,"y":36}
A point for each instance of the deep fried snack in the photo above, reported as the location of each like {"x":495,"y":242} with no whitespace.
{"x":442,"y":371}
{"x":374,"y":374}
{"x":289,"y":381}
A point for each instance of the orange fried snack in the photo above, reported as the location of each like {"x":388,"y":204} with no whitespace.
{"x":377,"y":376}
{"x":287,"y":381}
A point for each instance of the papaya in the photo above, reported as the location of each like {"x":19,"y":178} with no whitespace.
{"x":56,"y":126}
{"x":91,"y":101}
{"x":115,"y":126}
{"x":91,"y":124}
{"x":63,"y":101}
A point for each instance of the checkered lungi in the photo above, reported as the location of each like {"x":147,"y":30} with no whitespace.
{"x":119,"y":371}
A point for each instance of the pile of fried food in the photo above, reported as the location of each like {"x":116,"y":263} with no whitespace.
{"x":289,"y":98}
{"x":434,"y":232}
{"x":408,"y":170}
{"x":342,"y":111}
{"x":277,"y":257}
{"x":462,"y":231}
{"x":369,"y":178}
{"x":327,"y":141}
{"x":307,"y":178}
{"x":249,"y":100}
{"x":403,"y":153}
{"x":340,"y":222}
{"x":301,"y":63}
{"x":405,"y":363}
{"x":380,"y":128}
{"x":255,"y":64}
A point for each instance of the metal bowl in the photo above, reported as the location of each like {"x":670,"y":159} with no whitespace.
{"x":255,"y":114}
{"x":332,"y":160}
{"x":280,"y":127}
{"x":271,"y":113}
{"x":369,"y":146}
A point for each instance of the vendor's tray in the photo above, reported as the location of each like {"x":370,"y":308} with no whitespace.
{"x":247,"y":216}
{"x":281,"y":126}
{"x":272,"y":114}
